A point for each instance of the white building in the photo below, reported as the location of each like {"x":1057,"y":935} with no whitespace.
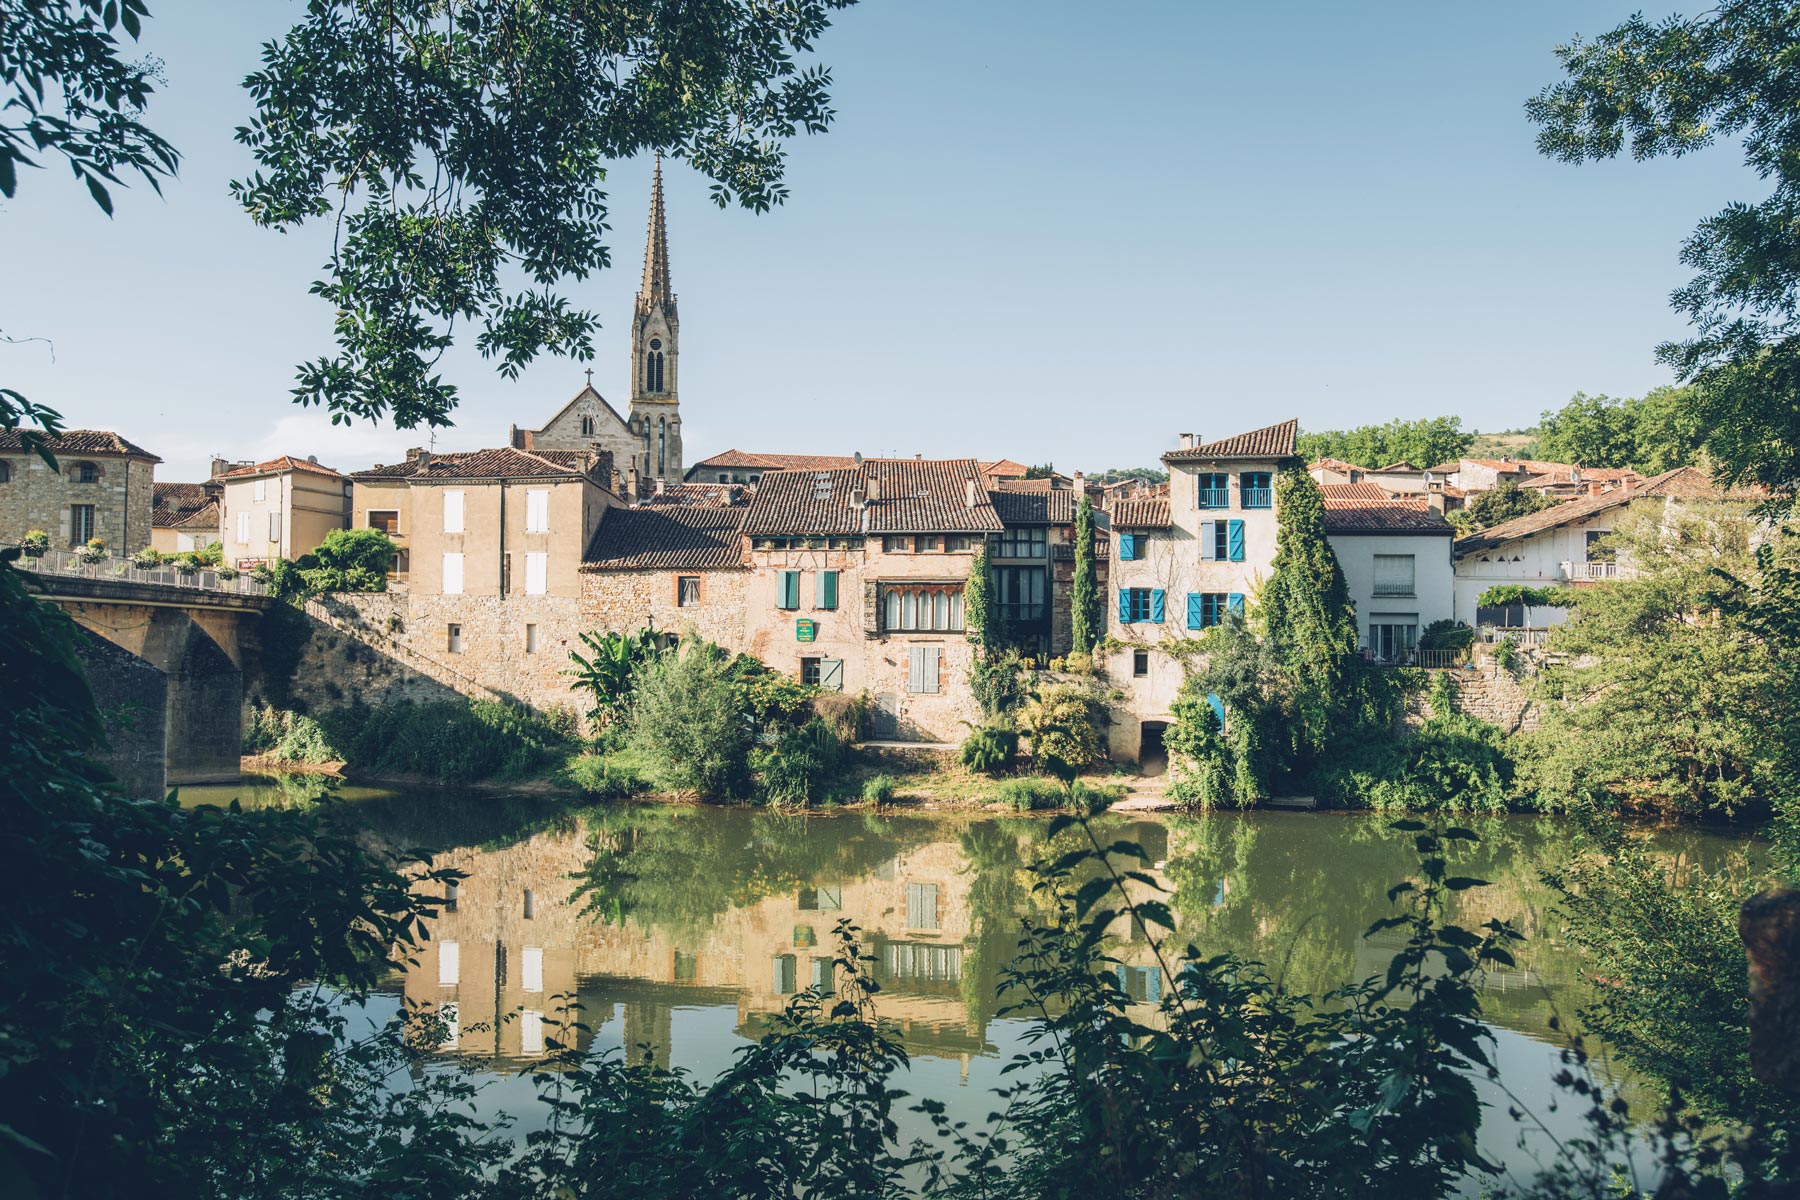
{"x":1397,"y":564}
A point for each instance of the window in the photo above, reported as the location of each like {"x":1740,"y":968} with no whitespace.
{"x":956,"y":543}
{"x":587,"y":427}
{"x":1256,"y":490}
{"x":452,"y":893}
{"x":529,"y":900}
{"x":1393,"y":636}
{"x":922,"y":670}
{"x":262,"y":489}
{"x":1022,"y":543}
{"x":789,"y":594}
{"x":1142,"y":984}
{"x":1128,"y":547}
{"x":81,"y":523}
{"x":687,"y":591}
{"x":1140,"y":663}
{"x":531,"y":968}
{"x":537,"y":511}
{"x":1213,"y":491}
{"x":531,"y":639}
{"x":1137,"y":605}
{"x":1206,"y":609}
{"x":896,"y":543}
{"x":1222,"y":541}
{"x":449,"y":964}
{"x":825,"y":589}
{"x":275,"y":527}
{"x":453,"y":640}
{"x":687,"y":967}
{"x":662,"y":429}
{"x":653,"y":369}
{"x":5,"y":471}
{"x":1019,"y":593}
{"x":921,"y":906}
{"x":1597,"y":550}
{"x":912,"y":962}
{"x":1393,"y":574}
{"x":244,"y":528}
{"x":453,"y":574}
{"x":934,"y":608}
{"x":929,"y":542}
{"x":822,"y":981}
{"x":448,"y":1014}
{"x":809,"y":671}
{"x":453,"y":512}
{"x":537,"y":573}
{"x":385,"y":519}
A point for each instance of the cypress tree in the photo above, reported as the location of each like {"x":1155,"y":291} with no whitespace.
{"x":1306,"y":604}
{"x":1084,"y":602}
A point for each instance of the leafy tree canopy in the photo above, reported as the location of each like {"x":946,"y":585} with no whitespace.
{"x":1656,"y":432}
{"x":1500,"y":503}
{"x":1147,"y":474}
{"x":1423,"y":443}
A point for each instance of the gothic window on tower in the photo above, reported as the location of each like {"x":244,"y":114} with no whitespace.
{"x":653,"y":367}
{"x":662,"y":445}
{"x":587,"y":427}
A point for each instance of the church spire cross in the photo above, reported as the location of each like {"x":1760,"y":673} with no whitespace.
{"x":656,"y":292}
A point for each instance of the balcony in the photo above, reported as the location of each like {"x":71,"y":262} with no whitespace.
{"x":1215,"y":497}
{"x":1412,"y":657}
{"x":1597,"y":572}
{"x":1258,"y":497}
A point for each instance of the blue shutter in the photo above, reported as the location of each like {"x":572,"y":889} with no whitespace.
{"x":1235,"y":602}
{"x":1237,"y":541}
{"x":1156,"y":606}
{"x":1127,"y":547}
{"x":1194,"y":618}
{"x":1124,"y":606}
{"x":1218,"y":707}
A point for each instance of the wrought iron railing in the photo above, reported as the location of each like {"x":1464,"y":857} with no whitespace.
{"x":82,"y":566}
{"x":1414,"y":657}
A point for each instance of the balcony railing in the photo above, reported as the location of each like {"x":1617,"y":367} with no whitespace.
{"x":1414,"y":657}
{"x":67,"y":562}
{"x":1215,"y":497}
{"x":1593,"y":572}
{"x":1258,"y":497}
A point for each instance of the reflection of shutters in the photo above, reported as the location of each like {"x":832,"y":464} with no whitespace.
{"x":1156,"y":606}
{"x":449,"y":964}
{"x":1208,"y":540}
{"x":784,"y":974}
{"x":821,"y":975}
{"x":831,"y":674}
{"x":1236,"y":545}
{"x":531,"y":1032}
{"x":531,"y":969}
{"x":921,"y":906}
{"x":829,"y":899}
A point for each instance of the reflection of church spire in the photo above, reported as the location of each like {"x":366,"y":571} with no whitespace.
{"x":656,"y":290}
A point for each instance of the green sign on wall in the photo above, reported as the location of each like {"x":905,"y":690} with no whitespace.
{"x":805,"y":629}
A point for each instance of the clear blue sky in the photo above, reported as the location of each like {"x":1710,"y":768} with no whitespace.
{"x":1038,"y":229}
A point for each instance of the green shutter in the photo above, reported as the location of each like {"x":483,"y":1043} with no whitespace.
{"x":1127,"y":547}
{"x":790,"y":589}
{"x":1237,"y":541}
{"x":826,"y":589}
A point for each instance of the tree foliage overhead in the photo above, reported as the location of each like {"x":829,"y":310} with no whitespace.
{"x":1423,"y":443}
{"x":1656,"y":432}
{"x":1671,"y":87}
{"x":460,"y":149}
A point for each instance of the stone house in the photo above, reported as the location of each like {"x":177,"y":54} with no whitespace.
{"x":680,"y":568}
{"x":281,"y":508}
{"x":743,"y":466}
{"x":185,"y":517}
{"x":1395,"y":555}
{"x":1183,"y":561}
{"x":102,"y":488}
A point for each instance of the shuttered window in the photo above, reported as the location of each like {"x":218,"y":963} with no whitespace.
{"x":449,"y":964}
{"x":1235,"y":540}
{"x":531,"y":969}
{"x":537,"y":573}
{"x":822,"y":981}
{"x":1205,"y":609}
{"x":531,"y":1031}
{"x":453,"y":574}
{"x":789,"y":590}
{"x":825,"y":589}
{"x":921,"y":906}
{"x":1140,"y":604}
{"x":922,"y":670}
{"x":1128,"y":547}
{"x":831,"y":674}
{"x":1393,"y":574}
{"x":453,"y":512}
{"x":537,"y":511}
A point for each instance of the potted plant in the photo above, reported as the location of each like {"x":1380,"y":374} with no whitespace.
{"x":35,"y":543}
{"x":91,"y":553}
{"x":147,"y":560}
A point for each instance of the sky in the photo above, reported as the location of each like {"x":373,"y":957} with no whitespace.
{"x":1047,"y":231}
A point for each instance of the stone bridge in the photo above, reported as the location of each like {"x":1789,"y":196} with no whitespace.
{"x":167,"y":668}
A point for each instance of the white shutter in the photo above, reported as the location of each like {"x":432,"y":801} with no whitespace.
{"x":449,"y":964}
{"x":1208,"y":540}
{"x":537,"y":574}
{"x":275,"y":527}
{"x":537,"y":511}
{"x":915,"y":669}
{"x":531,"y":1032}
{"x":932,"y":654}
{"x":262,"y":489}
{"x":532,"y":969}
{"x":453,"y":512}
{"x":451,"y":1016}
{"x":453,"y":574}
{"x":244,"y":528}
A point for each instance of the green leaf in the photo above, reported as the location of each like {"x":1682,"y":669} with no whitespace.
{"x":98,"y":192}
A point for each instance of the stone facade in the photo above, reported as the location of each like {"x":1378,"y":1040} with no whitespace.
{"x":104,"y":489}
{"x":627,"y":601}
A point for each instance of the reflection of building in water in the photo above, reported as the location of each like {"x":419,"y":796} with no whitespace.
{"x":512,"y":944}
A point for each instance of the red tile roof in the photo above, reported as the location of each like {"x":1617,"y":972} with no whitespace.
{"x":502,"y":463}
{"x":275,"y":466}
{"x":1141,"y":512}
{"x":1402,"y":465}
{"x":777,"y":462}
{"x":1034,"y":507}
{"x":1273,"y":442}
{"x":80,"y":441}
{"x":710,"y":495}
{"x":1687,"y":482}
{"x":1353,"y":491}
{"x":204,"y":517}
{"x":667,"y":537}
{"x":1333,"y":464}
{"x":910,"y":495}
{"x":1004,"y":468}
{"x":1384,"y":517}
{"x":175,"y":502}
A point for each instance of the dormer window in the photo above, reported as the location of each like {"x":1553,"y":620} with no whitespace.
{"x":86,"y":472}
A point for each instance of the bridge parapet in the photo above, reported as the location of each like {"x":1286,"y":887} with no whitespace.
{"x":62,"y":569}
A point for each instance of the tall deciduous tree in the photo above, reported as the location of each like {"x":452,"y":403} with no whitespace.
{"x":1672,"y":86}
{"x":1424,"y":442}
{"x":1653,"y":433}
{"x":1084,"y":603}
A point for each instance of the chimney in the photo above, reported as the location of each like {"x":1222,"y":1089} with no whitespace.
{"x":422,"y":457}
{"x":874,"y":488}
{"x":1435,"y":503}
{"x":416,"y":453}
{"x":660,"y":486}
{"x":1079,"y":482}
{"x":970,"y":492}
{"x":219,"y":466}
{"x":1187,"y":441}
{"x":631,"y":482}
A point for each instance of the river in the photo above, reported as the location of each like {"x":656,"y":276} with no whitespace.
{"x":681,"y":931}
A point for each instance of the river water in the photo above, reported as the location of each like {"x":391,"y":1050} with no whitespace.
{"x":682,"y":931}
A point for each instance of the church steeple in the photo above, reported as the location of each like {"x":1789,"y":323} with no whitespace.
{"x":655,"y":343}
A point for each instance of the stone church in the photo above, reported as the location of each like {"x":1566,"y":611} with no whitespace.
{"x":647,"y":442}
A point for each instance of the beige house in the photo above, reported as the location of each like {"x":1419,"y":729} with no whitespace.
{"x":381,"y":498}
{"x":1183,"y":562}
{"x":102,"y":488}
{"x":282,"y":508}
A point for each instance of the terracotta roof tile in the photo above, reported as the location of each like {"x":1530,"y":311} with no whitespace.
{"x":174,"y":502}
{"x":286,"y":462}
{"x":1333,"y":464}
{"x":1004,"y":468}
{"x":1141,"y":512}
{"x":1384,"y":516}
{"x":1402,"y":465}
{"x":709,"y":495}
{"x":80,"y":441}
{"x":1273,"y":442}
{"x":1353,"y":491}
{"x":502,"y":463}
{"x":1036,"y":507}
{"x":667,"y":537}
{"x":914,"y":496}
{"x":777,"y":462}
{"x":204,"y":517}
{"x":1689,"y":482}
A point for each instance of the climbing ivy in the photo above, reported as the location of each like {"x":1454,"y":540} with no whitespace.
{"x":1084,"y":602}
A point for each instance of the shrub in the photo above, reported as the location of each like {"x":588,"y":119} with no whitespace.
{"x":1446,"y":635}
{"x":801,"y":767}
{"x":147,"y":559}
{"x":603,"y":778}
{"x":774,"y":701}
{"x":1063,"y":724}
{"x":290,"y":737}
{"x":607,"y":670}
{"x":1452,"y":763}
{"x":453,"y":741}
{"x":688,"y":722}
{"x":997,"y":681}
{"x":879,"y":789}
{"x":35,"y":543}
{"x":847,"y":715}
{"x":1032,"y":792}
{"x":210,"y":555}
{"x":1506,"y":654}
{"x":990,"y":749}
{"x":283,"y":579}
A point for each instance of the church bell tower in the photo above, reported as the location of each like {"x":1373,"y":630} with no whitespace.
{"x":655,"y":354}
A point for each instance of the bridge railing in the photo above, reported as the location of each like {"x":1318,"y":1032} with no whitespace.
{"x":67,"y":562}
